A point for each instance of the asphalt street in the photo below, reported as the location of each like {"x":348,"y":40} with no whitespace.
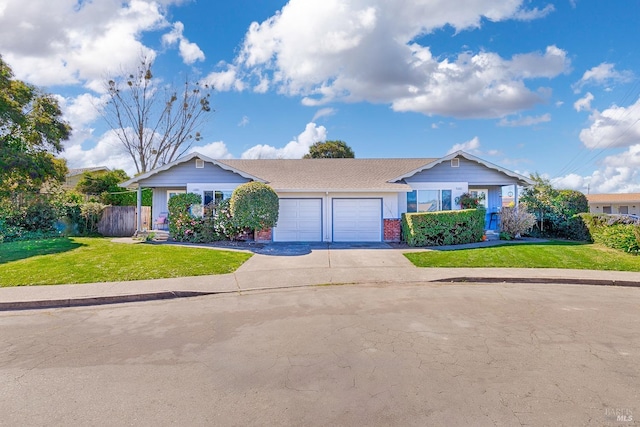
{"x":395,"y":354}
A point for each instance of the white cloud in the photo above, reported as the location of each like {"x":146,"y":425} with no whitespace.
{"x":367,"y":51}
{"x":75,"y":42}
{"x":535,"y":13}
{"x":82,"y":110}
{"x":243,"y":122}
{"x":190,"y":52}
{"x":225,"y":80}
{"x":472,"y":146}
{"x":602,"y":75}
{"x":525,"y":121}
{"x":323,"y":112}
{"x":584,"y":103}
{"x":214,"y":150}
{"x":618,"y":173}
{"x":295,"y":149}
{"x":108,"y":151}
{"x":613,"y":127}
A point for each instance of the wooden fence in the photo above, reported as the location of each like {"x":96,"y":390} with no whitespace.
{"x":120,"y":221}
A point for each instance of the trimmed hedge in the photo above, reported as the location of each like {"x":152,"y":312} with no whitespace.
{"x":614,"y":231}
{"x":443,"y":228}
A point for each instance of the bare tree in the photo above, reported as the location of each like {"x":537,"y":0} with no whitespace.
{"x":155,"y":125}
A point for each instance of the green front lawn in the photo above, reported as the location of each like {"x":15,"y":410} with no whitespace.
{"x":86,"y":260}
{"x":554,"y":254}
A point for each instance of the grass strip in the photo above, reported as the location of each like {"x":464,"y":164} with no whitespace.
{"x":552,"y":254}
{"x":88,"y":260}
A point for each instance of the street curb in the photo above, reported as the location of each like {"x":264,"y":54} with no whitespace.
{"x":91,"y":301}
{"x":540,"y":280}
{"x":155,"y":296}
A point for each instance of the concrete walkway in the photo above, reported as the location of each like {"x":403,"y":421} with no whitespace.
{"x":295,"y":266}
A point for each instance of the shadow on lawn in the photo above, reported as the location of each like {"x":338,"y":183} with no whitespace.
{"x":16,"y":251}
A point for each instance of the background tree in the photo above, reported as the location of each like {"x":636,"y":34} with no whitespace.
{"x":554,"y":209}
{"x":96,"y":183}
{"x":255,"y":205}
{"x":104,"y":186}
{"x":31,"y":132}
{"x":155,"y":125}
{"x":330,"y":150}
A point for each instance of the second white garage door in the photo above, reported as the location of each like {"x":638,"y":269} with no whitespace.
{"x":357,"y":220}
{"x":299,"y":220}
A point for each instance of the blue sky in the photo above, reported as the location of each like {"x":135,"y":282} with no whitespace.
{"x":535,"y":86}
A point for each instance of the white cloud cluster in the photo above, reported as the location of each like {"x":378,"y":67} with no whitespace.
{"x":295,"y":149}
{"x":619,"y":173}
{"x":108,"y":150}
{"x":584,"y":103}
{"x":472,"y":146}
{"x":613,"y":127}
{"x":357,"y":50}
{"x":190,"y":52}
{"x":602,"y":75}
{"x":76,"y":42}
{"x":525,"y":121}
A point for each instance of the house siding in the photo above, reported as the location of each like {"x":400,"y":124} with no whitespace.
{"x":186,"y":172}
{"x":473,"y":173}
{"x":159,"y":201}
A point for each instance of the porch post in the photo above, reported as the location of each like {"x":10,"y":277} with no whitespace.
{"x":139,"y":210}
{"x":515,"y":196}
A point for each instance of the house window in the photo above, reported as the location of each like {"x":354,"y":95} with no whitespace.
{"x":623,"y":210}
{"x":429,"y":200}
{"x":455,"y":163}
{"x":171,"y":193}
{"x":482,"y":195}
{"x":199,"y":164}
{"x":606,"y":209}
{"x":211,"y":196}
{"x":211,"y":199}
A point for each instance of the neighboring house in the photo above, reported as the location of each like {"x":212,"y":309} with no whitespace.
{"x":337,"y":200}
{"x":75,"y":175}
{"x":622,"y":203}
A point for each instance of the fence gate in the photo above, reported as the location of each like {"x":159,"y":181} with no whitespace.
{"x":120,"y":221}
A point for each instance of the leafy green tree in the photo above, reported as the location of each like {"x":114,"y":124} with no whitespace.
{"x":571,"y":202}
{"x":31,"y":132}
{"x":554,"y":209}
{"x":330,"y":150}
{"x":96,"y":183}
{"x":255,"y":205}
{"x":154,"y":124}
{"x":104,"y":187}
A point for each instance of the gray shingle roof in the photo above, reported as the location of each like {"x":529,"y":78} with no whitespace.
{"x":320,"y":174}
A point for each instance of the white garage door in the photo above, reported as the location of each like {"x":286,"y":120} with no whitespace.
{"x":299,"y":220}
{"x":357,"y":220}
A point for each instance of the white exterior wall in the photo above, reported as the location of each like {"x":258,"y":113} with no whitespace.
{"x":390,"y":202}
{"x":457,"y":189}
{"x":632,"y":207}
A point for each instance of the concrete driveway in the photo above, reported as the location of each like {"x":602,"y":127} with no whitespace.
{"x":481,"y":355}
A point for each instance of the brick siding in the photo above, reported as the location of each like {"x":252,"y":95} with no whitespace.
{"x":392,"y":230}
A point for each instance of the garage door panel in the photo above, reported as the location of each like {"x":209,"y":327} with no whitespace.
{"x":299,"y":220}
{"x":357,"y":220}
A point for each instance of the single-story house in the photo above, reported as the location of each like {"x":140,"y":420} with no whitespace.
{"x":75,"y":175}
{"x":620,"y":203}
{"x":337,"y":200}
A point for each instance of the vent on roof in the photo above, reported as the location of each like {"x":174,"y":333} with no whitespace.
{"x":199,"y":163}
{"x":455,"y":162}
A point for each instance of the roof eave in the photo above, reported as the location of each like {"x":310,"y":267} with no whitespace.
{"x":521,"y":179}
{"x":136,"y":180}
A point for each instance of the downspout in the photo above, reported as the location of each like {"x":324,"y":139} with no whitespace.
{"x":139,"y":210}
